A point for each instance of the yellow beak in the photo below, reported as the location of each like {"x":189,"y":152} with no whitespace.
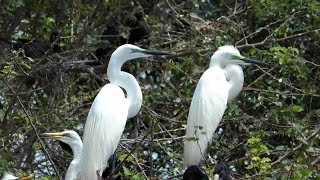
{"x":52,"y":135}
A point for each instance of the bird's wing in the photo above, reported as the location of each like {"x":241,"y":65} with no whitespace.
{"x":207,"y":107}
{"x":104,"y":127}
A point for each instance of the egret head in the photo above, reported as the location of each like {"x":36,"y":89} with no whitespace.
{"x":129,"y":51}
{"x":230,"y":55}
{"x":68,"y":137}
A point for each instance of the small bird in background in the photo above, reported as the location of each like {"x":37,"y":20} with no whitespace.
{"x":36,"y":49}
{"x":194,"y":173}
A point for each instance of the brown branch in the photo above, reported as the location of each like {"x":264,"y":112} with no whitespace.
{"x":135,"y":159}
{"x":287,"y":84}
{"x":151,"y":148}
{"x":316,"y":162}
{"x":153,"y":113}
{"x":280,"y":92}
{"x":312,"y":63}
{"x":254,"y":45}
{"x":299,"y":35}
{"x":295,"y":149}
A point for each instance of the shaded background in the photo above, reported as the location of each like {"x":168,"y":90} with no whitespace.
{"x":53,"y":59}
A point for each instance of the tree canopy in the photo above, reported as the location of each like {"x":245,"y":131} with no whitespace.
{"x":53,"y":61}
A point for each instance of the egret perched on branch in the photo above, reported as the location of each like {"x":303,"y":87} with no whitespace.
{"x":110,"y":111}
{"x":74,"y":141}
{"x":219,"y":84}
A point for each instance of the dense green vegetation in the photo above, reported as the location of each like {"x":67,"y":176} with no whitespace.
{"x":271,"y":131}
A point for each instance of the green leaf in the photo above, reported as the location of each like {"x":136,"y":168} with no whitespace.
{"x":25,"y":65}
{"x":44,"y":178}
{"x":127,"y":172}
{"x":36,"y":145}
{"x":297,"y":108}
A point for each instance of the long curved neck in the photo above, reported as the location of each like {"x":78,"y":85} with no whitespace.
{"x":74,"y":168}
{"x":234,"y":75}
{"x":127,"y":82}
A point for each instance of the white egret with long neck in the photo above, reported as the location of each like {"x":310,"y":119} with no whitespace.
{"x":219,"y":84}
{"x":110,"y":111}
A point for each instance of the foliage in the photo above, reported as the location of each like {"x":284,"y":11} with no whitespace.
{"x":257,"y":154}
{"x":270,"y":131}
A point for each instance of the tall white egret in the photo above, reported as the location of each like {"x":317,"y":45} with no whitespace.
{"x":110,"y":111}
{"x":219,"y":84}
{"x":74,"y":141}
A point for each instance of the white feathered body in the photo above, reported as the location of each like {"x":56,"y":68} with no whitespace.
{"x":207,"y":108}
{"x":73,"y":170}
{"x":109,"y":110}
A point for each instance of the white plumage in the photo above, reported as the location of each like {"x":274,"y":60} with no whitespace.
{"x":110,"y":111}
{"x":218,"y":85}
{"x":71,"y":138}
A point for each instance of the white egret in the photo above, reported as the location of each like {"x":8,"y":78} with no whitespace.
{"x":8,"y":176}
{"x":219,"y":84}
{"x":74,"y":141}
{"x":110,"y":111}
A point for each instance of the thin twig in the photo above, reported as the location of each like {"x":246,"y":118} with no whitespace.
{"x":136,"y":160}
{"x":34,"y":128}
{"x":133,"y":150}
{"x":287,"y":84}
{"x":293,"y":150}
{"x":151,"y":149}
